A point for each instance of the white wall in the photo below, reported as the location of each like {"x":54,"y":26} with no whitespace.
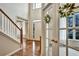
{"x":15,"y":9}
{"x":36,"y":14}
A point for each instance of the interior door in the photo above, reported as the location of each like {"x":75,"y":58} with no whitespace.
{"x":36,"y":30}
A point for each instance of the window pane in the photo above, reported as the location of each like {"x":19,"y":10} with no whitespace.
{"x":73,"y":45}
{"x":33,"y":6}
{"x":63,"y":22}
{"x":33,"y":30}
{"x":38,"y":5}
{"x":77,"y":19}
{"x":62,"y":36}
{"x":77,"y":34}
{"x":70,"y":21}
{"x":70,"y":33}
{"x":62,"y":43}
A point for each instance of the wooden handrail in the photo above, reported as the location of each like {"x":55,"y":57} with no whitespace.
{"x":9,"y":18}
{"x":54,"y":41}
{"x":33,"y":40}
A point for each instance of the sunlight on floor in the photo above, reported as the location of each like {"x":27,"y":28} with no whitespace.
{"x":33,"y":48}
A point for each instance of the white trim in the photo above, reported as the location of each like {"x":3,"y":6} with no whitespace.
{"x":36,"y":20}
{"x":13,"y":52}
{"x":47,"y":41}
{"x":73,"y":40}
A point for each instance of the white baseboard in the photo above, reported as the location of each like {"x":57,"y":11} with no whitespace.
{"x":13,"y":52}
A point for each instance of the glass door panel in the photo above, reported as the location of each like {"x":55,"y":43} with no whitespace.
{"x":62,"y":43}
{"x":73,"y":43}
{"x":62,"y":37}
{"x":70,"y":21}
{"x":76,"y":19}
{"x":73,"y":37}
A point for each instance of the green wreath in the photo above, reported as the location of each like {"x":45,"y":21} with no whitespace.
{"x":47,"y":18}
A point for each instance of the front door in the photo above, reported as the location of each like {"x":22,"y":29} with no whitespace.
{"x":69,"y":37}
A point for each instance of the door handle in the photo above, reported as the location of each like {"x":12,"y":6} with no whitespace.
{"x":54,"y":41}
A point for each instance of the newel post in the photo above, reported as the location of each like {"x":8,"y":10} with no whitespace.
{"x":21,"y":38}
{"x":40,"y":45}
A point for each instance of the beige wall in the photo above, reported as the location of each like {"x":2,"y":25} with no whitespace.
{"x":7,"y":44}
{"x":36,"y":14}
{"x":53,"y":34}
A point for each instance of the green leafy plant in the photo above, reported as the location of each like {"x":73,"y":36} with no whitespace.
{"x":67,"y":9}
{"x":47,"y":18}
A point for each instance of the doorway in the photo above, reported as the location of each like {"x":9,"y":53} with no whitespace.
{"x":36,"y":34}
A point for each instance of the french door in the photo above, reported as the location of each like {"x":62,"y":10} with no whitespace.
{"x":69,"y":37}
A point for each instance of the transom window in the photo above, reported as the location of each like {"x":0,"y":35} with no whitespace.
{"x":36,"y":5}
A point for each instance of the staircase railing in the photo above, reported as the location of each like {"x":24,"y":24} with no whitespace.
{"x":40,"y":45}
{"x":9,"y":27}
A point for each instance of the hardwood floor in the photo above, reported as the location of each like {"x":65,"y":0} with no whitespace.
{"x":28,"y":49}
